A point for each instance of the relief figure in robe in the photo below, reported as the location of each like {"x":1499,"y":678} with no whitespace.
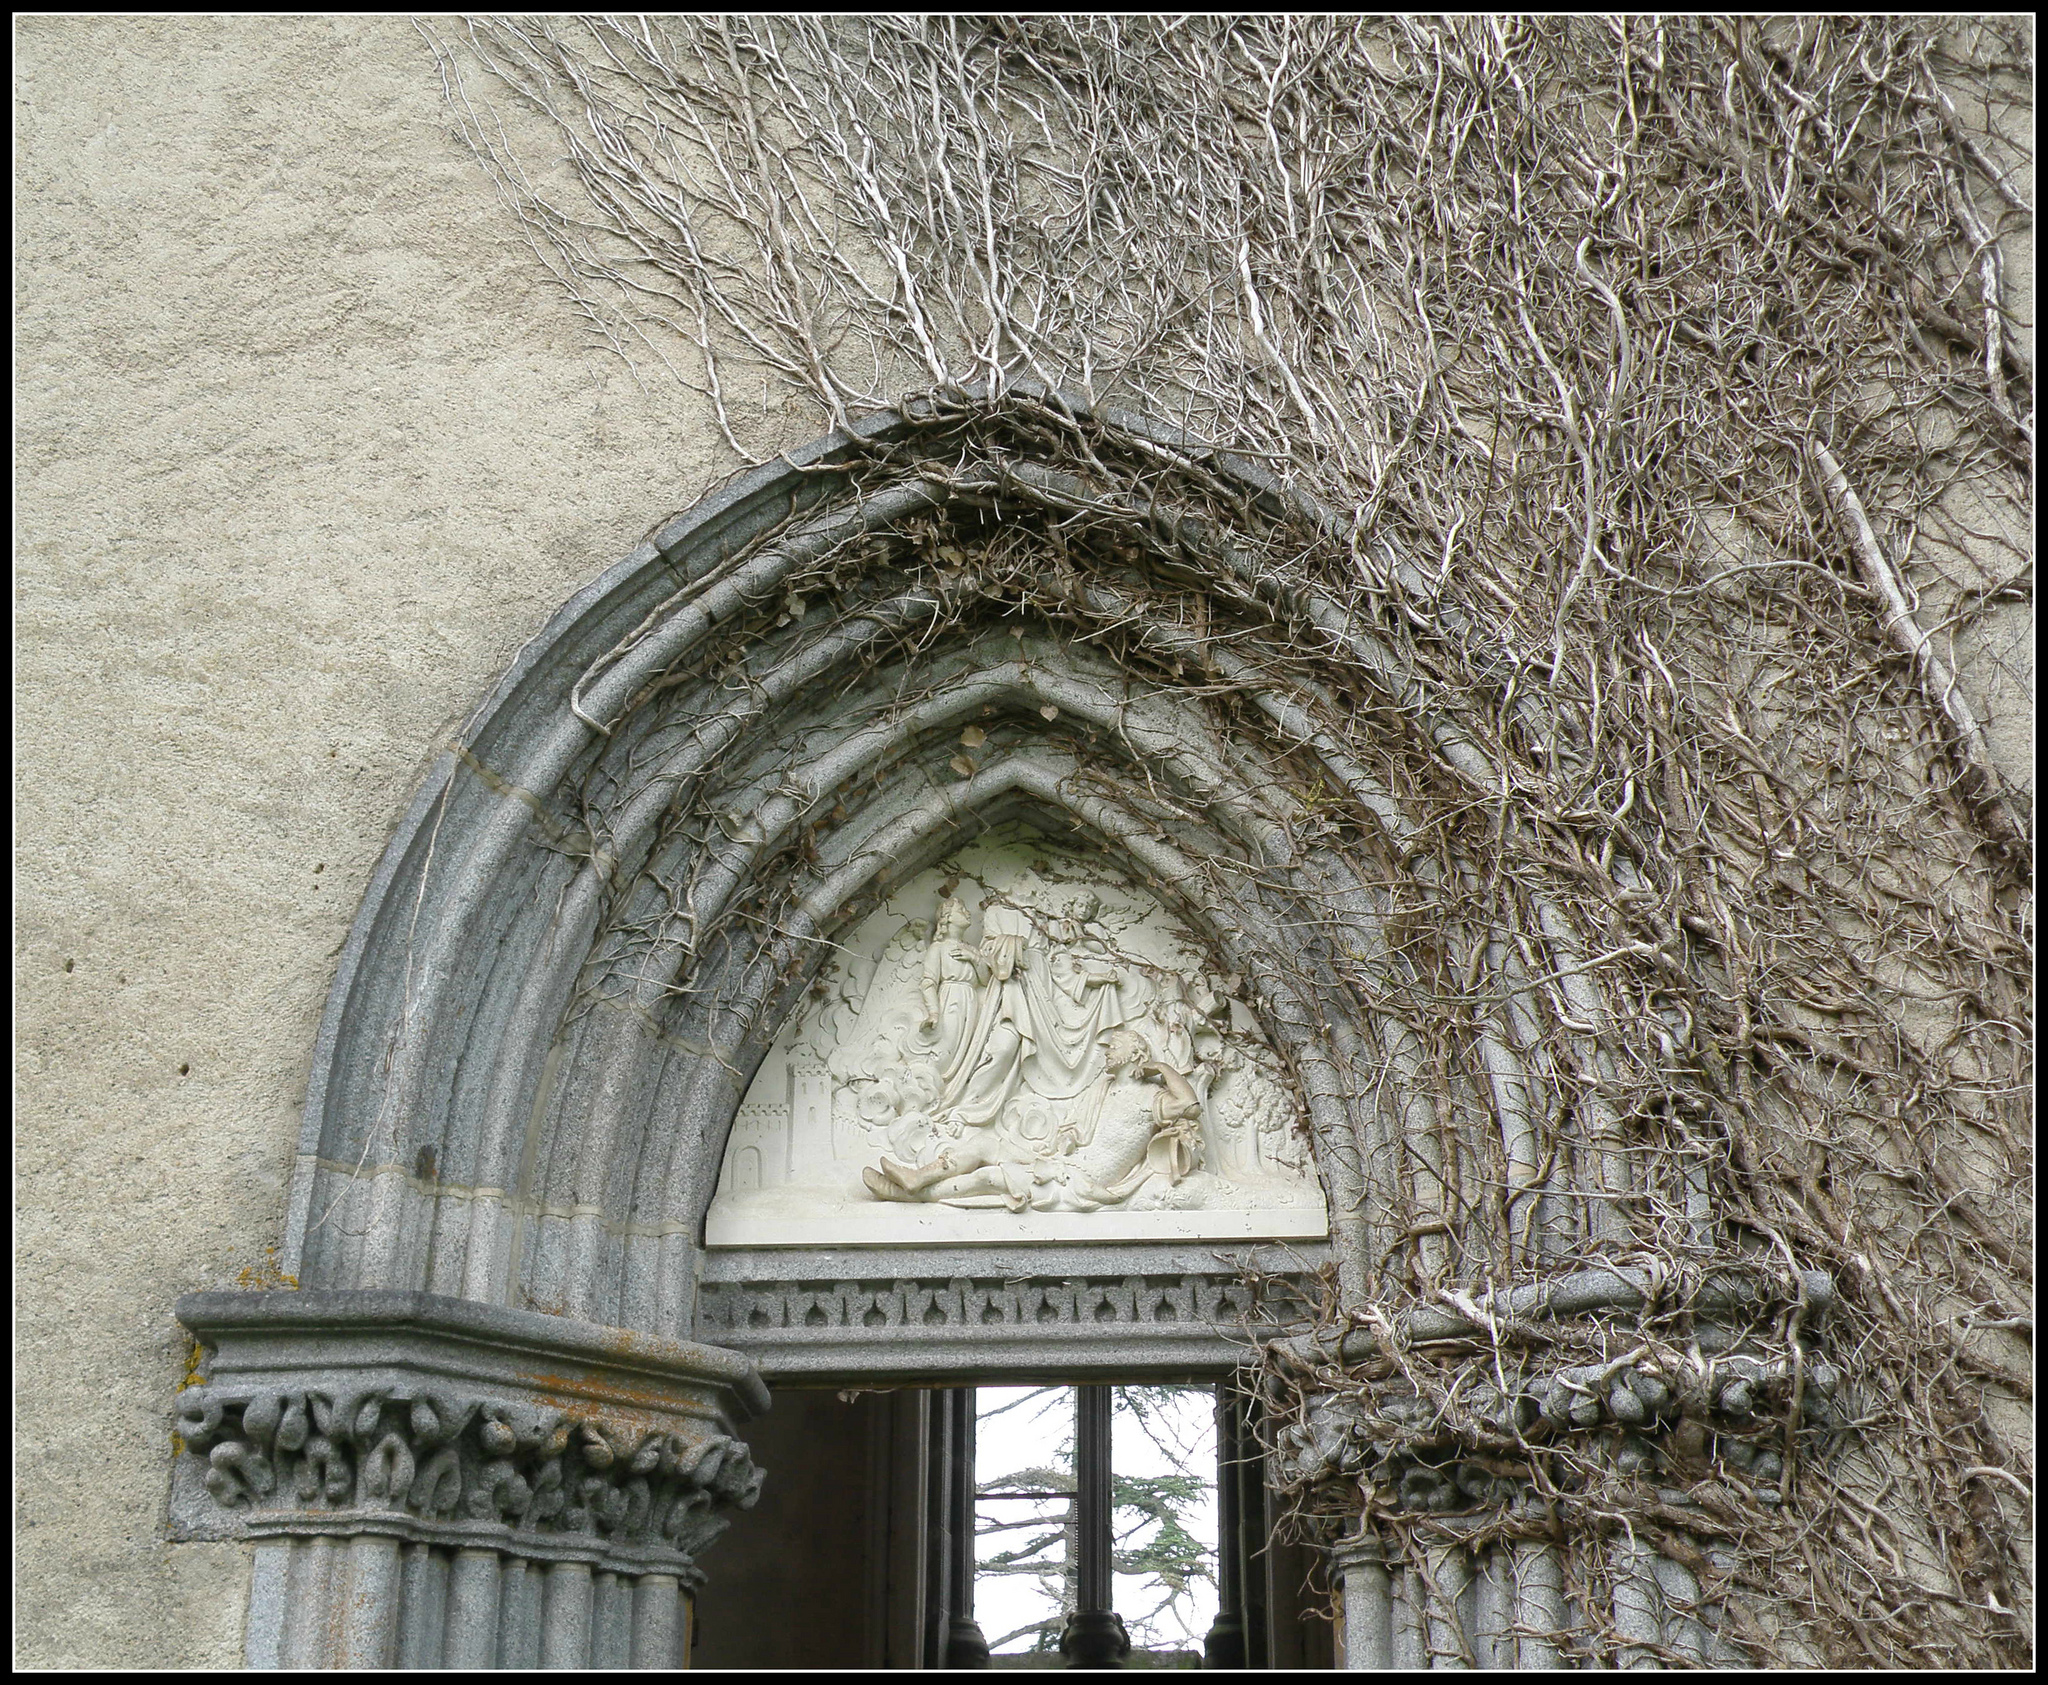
{"x":950,"y":989}
{"x":1079,"y":991}
{"x":1190,"y":1015}
{"x":989,"y":1066}
{"x":1147,"y":1131}
{"x":975,"y":1030}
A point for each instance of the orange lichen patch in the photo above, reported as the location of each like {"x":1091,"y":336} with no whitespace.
{"x":266,"y":1275}
{"x":195,"y":1356}
{"x":648,"y":1409}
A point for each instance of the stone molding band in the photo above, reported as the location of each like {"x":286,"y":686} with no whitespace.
{"x":1581,"y":1293}
{"x":541,"y":1549}
{"x":957,"y":1328}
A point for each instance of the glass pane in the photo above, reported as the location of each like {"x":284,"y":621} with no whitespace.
{"x":1163,"y":1481}
{"x":1024,"y":1545}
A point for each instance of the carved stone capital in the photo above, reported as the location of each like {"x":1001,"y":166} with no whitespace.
{"x":442,"y":1421}
{"x":1655,"y":1408}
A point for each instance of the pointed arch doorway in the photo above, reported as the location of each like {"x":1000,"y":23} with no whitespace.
{"x":634,"y":869}
{"x":935,"y":1027}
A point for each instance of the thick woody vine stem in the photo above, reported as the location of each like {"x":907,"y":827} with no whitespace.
{"x":1899,"y":625}
{"x":1637,"y":392}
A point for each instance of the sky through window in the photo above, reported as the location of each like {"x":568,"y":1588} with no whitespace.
{"x":1163,"y":1461}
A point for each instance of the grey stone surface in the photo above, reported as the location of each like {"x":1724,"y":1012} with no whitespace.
{"x":624,"y":1257}
{"x":1013,"y":1262}
{"x":469,"y":1134}
{"x":1578,"y":1294}
{"x":252,"y":1339}
{"x":446,"y":1422}
{"x":307,"y":452}
{"x":1492,"y":1602}
{"x":991,"y":1313}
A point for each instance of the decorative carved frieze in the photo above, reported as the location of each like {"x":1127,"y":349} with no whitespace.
{"x":961,"y":1327}
{"x":1645,"y":1419}
{"x":962,"y":1314}
{"x":1658,"y":1408}
{"x":1182,"y":1303}
{"x":465,"y":1470}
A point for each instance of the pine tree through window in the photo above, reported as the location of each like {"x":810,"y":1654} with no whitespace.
{"x":1163,"y":1521}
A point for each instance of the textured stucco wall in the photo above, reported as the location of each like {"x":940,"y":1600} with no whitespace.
{"x":305,"y":450}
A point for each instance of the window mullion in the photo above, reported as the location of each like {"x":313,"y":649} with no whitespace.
{"x":1095,"y":1635}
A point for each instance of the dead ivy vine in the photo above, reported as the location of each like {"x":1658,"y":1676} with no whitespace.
{"x":1666,"y":380}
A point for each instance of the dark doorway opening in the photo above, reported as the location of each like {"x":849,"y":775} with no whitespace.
{"x":877,"y":1541}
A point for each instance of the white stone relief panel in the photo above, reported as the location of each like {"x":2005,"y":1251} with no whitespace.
{"x":1017,"y":1045}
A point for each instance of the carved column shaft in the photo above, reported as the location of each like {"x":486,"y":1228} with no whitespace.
{"x":1095,"y":1635}
{"x":1367,"y":1640}
{"x":1225,"y":1645}
{"x":480,"y":1610}
{"x":965,"y":1644}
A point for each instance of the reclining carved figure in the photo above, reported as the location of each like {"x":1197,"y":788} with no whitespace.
{"x":1146,"y":1130}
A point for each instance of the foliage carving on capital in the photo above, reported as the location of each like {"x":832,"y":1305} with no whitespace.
{"x":1671,"y":1421}
{"x":441,"y":1456}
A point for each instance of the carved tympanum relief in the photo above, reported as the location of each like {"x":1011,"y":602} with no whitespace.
{"x":1016,"y":1045}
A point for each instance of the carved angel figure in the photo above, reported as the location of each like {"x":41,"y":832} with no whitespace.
{"x":1078,"y":992}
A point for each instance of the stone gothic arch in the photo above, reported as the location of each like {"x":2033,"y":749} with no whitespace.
{"x":669,"y":685}
{"x":499,"y":1416}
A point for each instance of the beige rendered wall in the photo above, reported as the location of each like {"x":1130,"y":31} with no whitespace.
{"x":305,"y":451}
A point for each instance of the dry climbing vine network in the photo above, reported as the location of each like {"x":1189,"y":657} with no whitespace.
{"x":1659,"y":384}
